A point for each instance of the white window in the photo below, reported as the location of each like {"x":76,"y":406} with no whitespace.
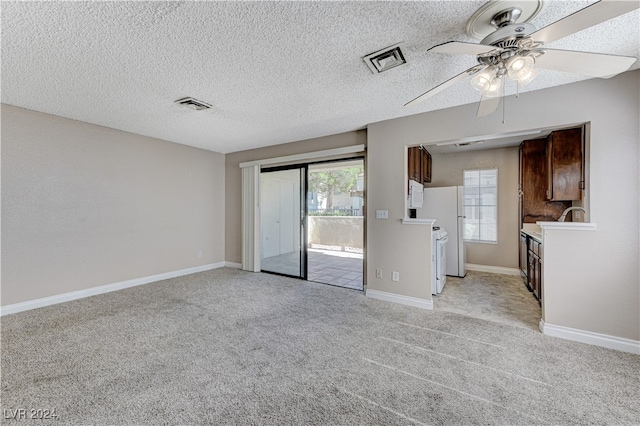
{"x":481,"y":205}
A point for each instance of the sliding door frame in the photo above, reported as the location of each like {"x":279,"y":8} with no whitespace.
{"x":304,"y":220}
{"x":304,"y":178}
{"x":251,"y":196}
{"x":357,"y":156}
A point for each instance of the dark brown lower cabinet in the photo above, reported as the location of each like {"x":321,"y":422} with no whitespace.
{"x":535,"y":268}
{"x":524,"y":251}
{"x":531,"y":264}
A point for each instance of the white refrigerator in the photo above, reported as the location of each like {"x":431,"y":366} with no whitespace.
{"x":446,"y":206}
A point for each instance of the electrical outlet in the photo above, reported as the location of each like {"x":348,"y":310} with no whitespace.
{"x":576,"y":214}
{"x":382,"y":214}
{"x":395,"y":276}
{"x":199,"y":253}
{"x":378,"y":273}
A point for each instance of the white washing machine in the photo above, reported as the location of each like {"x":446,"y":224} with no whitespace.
{"x":439,"y":260}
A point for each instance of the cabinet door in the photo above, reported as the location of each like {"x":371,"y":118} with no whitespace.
{"x":537,"y":265}
{"x":565,"y":165}
{"x":533,"y":181}
{"x":531,"y":272}
{"x":415,"y":164}
{"x":426,"y":166}
{"x":523,"y":256}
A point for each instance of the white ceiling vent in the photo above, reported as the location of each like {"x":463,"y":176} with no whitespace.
{"x":385,"y":59}
{"x":193,"y":103}
{"x":461,"y":144}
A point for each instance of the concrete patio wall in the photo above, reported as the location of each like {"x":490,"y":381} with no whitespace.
{"x":338,"y":232}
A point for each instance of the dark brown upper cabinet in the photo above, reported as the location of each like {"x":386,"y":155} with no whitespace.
{"x":419,"y":164}
{"x":534,"y":205}
{"x":565,"y":165}
{"x":426,"y":166}
{"x":551,"y":175}
{"x":415,"y":167}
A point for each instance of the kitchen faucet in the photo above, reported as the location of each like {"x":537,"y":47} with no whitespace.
{"x":564,"y":213}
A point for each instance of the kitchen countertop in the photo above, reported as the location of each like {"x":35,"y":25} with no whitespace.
{"x":532,"y":230}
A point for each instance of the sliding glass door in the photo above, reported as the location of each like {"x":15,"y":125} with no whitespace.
{"x":312,"y":221}
{"x":282,"y":220}
{"x":335,"y":230}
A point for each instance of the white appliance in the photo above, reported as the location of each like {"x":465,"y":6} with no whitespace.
{"x":445,"y":205}
{"x":439,"y":260}
{"x":416,"y":191}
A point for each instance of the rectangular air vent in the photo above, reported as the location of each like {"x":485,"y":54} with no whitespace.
{"x":193,"y":103}
{"x":385,"y":59}
{"x":461,"y":144}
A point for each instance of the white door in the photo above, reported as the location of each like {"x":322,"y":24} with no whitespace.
{"x":281,"y":221}
{"x":270,"y":217}
{"x":287,"y":216}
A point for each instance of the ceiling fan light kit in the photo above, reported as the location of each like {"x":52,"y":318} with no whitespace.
{"x":495,"y":89}
{"x":526,"y":79}
{"x":482,"y":81}
{"x":519,"y":67}
{"x":514,"y":47}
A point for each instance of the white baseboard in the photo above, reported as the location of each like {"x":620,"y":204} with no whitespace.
{"x":107,"y":288}
{"x":233,"y":265}
{"x":591,"y":338}
{"x":398,"y":298}
{"x":492,"y":269}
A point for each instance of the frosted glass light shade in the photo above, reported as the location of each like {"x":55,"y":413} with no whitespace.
{"x":482,"y":81}
{"x":495,"y":89}
{"x":527,"y":78}
{"x":519,"y":67}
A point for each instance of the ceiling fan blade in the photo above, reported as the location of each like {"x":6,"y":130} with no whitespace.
{"x":439,"y":88}
{"x":589,"y":16}
{"x":488,"y":105}
{"x":584,"y":63}
{"x":461,"y":48}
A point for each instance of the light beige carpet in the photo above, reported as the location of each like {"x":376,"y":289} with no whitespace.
{"x":495,"y":297}
{"x":232,"y":347}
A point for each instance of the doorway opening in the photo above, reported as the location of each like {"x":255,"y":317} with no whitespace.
{"x":312,"y":222}
{"x":335,"y":235}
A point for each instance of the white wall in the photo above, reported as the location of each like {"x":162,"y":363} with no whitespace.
{"x":85,"y":206}
{"x":612,"y":108}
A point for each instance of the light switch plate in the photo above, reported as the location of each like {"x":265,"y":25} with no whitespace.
{"x":382,"y":214}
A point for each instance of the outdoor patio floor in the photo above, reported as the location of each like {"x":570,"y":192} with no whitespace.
{"x":336,"y":268}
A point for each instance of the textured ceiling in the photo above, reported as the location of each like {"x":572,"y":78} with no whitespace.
{"x":275,"y":72}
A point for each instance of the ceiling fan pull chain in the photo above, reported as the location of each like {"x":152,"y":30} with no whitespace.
{"x":504,"y":101}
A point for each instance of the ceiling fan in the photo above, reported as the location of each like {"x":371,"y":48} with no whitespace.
{"x":514,"y":50}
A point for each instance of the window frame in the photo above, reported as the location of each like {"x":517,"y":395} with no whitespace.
{"x":465,"y":205}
